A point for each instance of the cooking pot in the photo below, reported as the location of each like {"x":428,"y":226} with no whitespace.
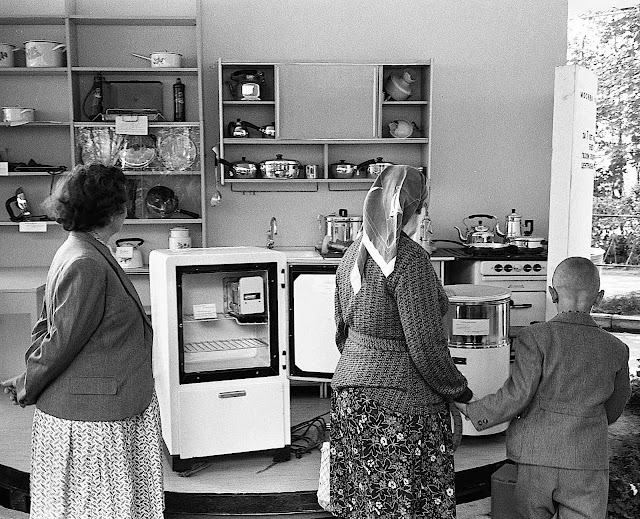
{"x":128,"y":255}
{"x":342,"y":169}
{"x":528,"y":242}
{"x":163,"y":201}
{"x":17,"y":114}
{"x":280,"y":168}
{"x":341,"y":228}
{"x":242,"y":168}
{"x":238,"y":128}
{"x":6,"y":54}
{"x":42,"y":53}
{"x":162,"y":59}
{"x":373,"y":167}
{"x":268,"y":130}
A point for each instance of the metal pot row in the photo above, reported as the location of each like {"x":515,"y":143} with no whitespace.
{"x":289,"y":168}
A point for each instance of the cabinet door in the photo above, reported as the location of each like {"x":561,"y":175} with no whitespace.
{"x":328,"y":101}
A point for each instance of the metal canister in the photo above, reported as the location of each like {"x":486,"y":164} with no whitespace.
{"x":478,"y":316}
{"x":312,"y":171}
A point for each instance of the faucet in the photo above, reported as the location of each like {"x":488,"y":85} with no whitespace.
{"x":273,"y":230}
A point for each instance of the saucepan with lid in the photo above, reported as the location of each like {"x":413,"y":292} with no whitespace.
{"x":242,"y":168}
{"x":340,"y":228}
{"x":280,"y":168}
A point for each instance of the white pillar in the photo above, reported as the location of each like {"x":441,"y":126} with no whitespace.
{"x":572,"y":167}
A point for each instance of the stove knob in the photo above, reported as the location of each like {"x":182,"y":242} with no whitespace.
{"x":537,"y":267}
{"x":508,"y":268}
{"x":527,"y":268}
{"x":498,"y":268}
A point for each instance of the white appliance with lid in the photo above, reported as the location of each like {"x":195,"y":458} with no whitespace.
{"x":219,"y":351}
{"x":477,"y":325}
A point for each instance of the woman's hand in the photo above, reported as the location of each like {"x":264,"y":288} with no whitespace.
{"x":9,"y":388}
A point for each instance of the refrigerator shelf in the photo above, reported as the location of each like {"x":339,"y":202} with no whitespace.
{"x":224,"y":345}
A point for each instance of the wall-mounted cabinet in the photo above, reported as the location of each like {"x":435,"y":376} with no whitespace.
{"x":321,"y":114}
{"x":66,"y":132}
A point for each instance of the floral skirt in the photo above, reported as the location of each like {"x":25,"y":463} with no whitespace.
{"x":95,"y":470}
{"x":386,"y":464}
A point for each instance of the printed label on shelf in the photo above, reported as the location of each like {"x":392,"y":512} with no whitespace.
{"x":470,"y":326}
{"x":32,"y":227}
{"x":4,"y":169}
{"x":132,"y":124}
{"x":205,"y":311}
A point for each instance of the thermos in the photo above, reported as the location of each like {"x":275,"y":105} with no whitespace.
{"x":178,"y":102}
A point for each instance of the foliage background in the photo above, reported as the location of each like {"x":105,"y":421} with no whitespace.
{"x":609,"y":44}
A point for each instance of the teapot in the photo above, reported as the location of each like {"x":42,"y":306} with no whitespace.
{"x":128,"y":253}
{"x":244,"y":85}
{"x":476,"y":234}
{"x":514,"y":228}
{"x":402,"y":129}
{"x":398,"y":87}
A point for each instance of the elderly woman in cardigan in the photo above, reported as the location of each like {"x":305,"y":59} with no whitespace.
{"x":391,"y":440}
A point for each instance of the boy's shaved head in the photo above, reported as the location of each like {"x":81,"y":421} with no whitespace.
{"x":576,"y":285}
{"x":576,"y":274}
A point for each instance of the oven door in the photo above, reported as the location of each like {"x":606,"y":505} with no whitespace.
{"x":313,"y":354}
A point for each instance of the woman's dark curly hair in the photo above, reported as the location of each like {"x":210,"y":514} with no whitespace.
{"x":88,"y":197}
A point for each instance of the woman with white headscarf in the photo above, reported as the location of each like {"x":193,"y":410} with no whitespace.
{"x":391,"y":442}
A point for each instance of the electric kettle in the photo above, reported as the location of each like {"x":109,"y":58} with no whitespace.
{"x":128,"y":253}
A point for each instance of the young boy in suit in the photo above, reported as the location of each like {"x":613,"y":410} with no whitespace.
{"x":570,"y":380}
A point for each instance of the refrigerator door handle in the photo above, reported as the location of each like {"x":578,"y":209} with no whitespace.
{"x":232,"y":394}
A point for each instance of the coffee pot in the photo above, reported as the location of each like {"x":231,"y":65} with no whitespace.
{"x":514,"y":227}
{"x":245,"y":84}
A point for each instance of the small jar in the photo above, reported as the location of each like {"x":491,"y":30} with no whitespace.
{"x":179,"y":238}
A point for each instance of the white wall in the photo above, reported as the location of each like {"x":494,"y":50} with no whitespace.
{"x":493,"y":75}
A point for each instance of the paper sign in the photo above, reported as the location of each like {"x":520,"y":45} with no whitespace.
{"x":124,"y":252}
{"x":132,"y":125}
{"x":470,"y":326}
{"x":205,"y":311}
{"x":4,"y":169}
{"x":32,"y":226}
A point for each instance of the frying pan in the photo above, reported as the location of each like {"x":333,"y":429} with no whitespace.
{"x":484,"y":247}
{"x":163,"y":201}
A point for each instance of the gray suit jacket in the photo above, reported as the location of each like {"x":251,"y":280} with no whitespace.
{"x":569,"y":381}
{"x":90,"y":357}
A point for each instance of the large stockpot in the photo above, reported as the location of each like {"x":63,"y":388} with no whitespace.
{"x":44,"y":53}
{"x":341,"y":228}
{"x":478,"y":316}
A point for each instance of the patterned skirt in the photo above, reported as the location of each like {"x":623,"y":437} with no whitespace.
{"x":386,"y":464}
{"x":94,"y":470}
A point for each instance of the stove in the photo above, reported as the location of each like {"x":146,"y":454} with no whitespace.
{"x":525,"y":275}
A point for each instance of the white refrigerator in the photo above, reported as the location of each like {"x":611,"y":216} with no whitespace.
{"x":219,"y":351}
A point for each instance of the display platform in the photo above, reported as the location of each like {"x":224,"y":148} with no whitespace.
{"x":242,"y":484}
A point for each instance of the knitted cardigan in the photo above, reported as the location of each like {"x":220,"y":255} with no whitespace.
{"x":391,"y":337}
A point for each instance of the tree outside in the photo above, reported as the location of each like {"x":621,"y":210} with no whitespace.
{"x":608,"y":43}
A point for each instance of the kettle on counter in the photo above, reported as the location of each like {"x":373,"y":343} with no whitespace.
{"x":128,"y":253}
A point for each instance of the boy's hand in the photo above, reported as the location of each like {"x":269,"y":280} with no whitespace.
{"x":9,"y":388}
{"x":462,"y":408}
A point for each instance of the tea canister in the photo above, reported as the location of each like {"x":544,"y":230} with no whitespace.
{"x":179,"y":238}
